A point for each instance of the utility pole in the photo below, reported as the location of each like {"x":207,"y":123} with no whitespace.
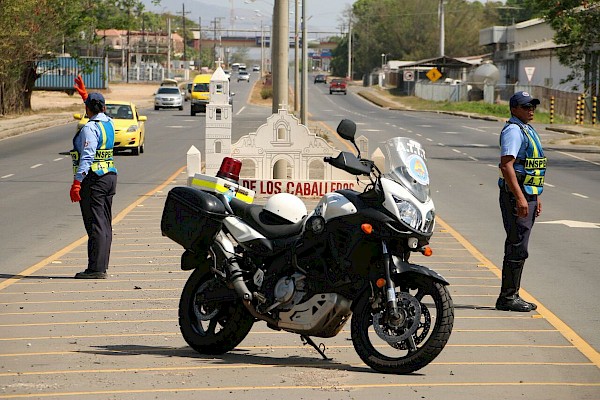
{"x":296,"y":56}
{"x":200,"y":41}
{"x":168,"y":46}
{"x":442,"y":38}
{"x":350,"y":45}
{"x":304,"y":112}
{"x":280,"y":52}
{"x":183,"y":13}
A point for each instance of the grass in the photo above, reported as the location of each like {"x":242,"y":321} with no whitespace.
{"x":474,"y":107}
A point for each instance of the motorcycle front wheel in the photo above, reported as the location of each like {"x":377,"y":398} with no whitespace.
{"x":211,"y":326}
{"x":405,"y":345}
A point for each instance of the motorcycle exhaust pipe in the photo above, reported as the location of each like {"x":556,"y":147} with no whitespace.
{"x":236,"y":277}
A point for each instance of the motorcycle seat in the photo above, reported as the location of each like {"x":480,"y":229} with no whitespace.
{"x":265,"y":222}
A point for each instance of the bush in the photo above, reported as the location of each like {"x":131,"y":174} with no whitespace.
{"x":266,"y":93}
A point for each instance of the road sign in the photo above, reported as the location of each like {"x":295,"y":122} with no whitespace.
{"x":433,"y":74}
{"x":529,"y":72}
{"x":408,"y":76}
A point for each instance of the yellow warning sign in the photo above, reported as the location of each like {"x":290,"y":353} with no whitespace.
{"x":433,"y":74}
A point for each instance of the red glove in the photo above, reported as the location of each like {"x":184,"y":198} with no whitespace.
{"x":75,"y":188}
{"x":80,"y":87}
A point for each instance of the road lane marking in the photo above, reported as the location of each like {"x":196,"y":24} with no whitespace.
{"x":577,"y":157}
{"x":573,"y":224}
{"x":580,"y":195}
{"x":36,"y":165}
{"x":8,"y":176}
{"x":572,"y":337}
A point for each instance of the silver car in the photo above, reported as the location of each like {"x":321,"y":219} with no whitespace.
{"x":243,"y":76}
{"x":168,"y":97}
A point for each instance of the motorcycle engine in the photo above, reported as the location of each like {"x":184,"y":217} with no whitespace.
{"x":289,"y":291}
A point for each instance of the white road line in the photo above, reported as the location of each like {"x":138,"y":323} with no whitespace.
{"x":58,"y":159}
{"x":241,"y":109}
{"x":7,"y":176}
{"x":457,"y":151}
{"x":580,"y":195}
{"x":475,"y":129}
{"x":548,"y":184}
{"x":473,"y":158}
{"x":36,"y":165}
{"x":578,"y":158}
{"x":441,"y":144}
{"x":429,"y":140}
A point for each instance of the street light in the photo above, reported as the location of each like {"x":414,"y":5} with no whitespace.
{"x":382,"y":60}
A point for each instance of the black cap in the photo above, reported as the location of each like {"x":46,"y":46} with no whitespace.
{"x":523,"y":99}
{"x":95,"y":97}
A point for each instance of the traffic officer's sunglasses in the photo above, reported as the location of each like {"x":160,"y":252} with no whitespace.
{"x":528,"y":107}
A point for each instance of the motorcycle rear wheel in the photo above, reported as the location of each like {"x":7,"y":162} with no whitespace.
{"x":211,"y":327}
{"x":425,"y":338}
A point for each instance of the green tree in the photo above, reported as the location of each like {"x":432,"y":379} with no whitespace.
{"x":410,"y":29}
{"x":577,"y":26}
{"x":35,"y":29}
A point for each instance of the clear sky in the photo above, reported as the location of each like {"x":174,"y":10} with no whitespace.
{"x":324,"y":16}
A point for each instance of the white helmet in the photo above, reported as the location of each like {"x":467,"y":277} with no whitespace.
{"x":286,"y":206}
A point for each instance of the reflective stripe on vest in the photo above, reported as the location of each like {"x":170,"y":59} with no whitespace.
{"x":534,"y":163}
{"x":103,"y":158}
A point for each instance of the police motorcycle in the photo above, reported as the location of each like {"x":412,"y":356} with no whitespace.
{"x":309,"y":274}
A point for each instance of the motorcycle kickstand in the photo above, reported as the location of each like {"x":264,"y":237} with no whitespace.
{"x":308,"y":340}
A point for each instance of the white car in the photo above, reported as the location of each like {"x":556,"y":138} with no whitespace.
{"x":168,"y":97}
{"x":243,"y":76}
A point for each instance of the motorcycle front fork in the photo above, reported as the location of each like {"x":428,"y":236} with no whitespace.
{"x":390,"y":291}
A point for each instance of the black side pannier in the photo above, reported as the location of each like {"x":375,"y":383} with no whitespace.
{"x":192,"y":217}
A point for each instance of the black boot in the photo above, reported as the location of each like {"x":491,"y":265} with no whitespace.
{"x":509,"y":299}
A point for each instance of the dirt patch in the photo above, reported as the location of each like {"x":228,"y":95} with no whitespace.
{"x":140,"y":94}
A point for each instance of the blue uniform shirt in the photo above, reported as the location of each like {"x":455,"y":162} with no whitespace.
{"x":513,"y":143}
{"x":86,"y":143}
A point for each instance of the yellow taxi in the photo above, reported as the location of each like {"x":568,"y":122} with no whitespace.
{"x":130,"y":132}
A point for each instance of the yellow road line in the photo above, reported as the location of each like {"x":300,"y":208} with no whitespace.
{"x":333,"y":365}
{"x":334,"y":388}
{"x":563,"y":328}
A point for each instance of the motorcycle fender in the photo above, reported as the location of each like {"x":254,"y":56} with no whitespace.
{"x":402,"y":267}
{"x":191,"y":260}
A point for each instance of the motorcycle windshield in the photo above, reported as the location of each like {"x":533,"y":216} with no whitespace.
{"x":405,"y":164}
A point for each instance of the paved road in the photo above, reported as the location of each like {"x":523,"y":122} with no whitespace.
{"x":119,"y":338}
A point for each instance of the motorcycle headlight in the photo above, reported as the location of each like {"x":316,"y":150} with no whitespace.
{"x":409,"y":214}
{"x":132,"y":128}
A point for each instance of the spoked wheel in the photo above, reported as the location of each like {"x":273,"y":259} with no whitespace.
{"x":405,"y":343}
{"x":215,"y":326}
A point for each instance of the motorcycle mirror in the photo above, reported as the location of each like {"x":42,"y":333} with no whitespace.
{"x":347,"y":129}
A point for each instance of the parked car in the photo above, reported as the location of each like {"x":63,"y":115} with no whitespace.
{"x":320,"y":78}
{"x":186,"y":90}
{"x":130,"y":131}
{"x":337,"y":86}
{"x":168,"y":97}
{"x":255,"y":68}
{"x":243,"y":76}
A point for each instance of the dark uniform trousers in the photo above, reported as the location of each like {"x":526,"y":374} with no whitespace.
{"x":96,"y":208}
{"x":517,"y":240}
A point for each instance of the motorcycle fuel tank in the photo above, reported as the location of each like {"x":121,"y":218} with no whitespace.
{"x":334,"y":205}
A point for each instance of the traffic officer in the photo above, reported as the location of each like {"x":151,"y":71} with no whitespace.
{"x":522,"y":171}
{"x":95,"y":181}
